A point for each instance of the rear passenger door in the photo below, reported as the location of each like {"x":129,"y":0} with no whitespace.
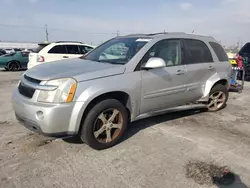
{"x":56,"y":53}
{"x":200,"y":67}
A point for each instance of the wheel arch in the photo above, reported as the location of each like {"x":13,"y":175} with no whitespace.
{"x":121,"y":96}
{"x":14,"y":61}
{"x":213,"y":82}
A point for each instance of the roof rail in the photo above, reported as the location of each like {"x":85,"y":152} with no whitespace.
{"x":162,"y":33}
{"x":69,"y":42}
{"x":137,"y":34}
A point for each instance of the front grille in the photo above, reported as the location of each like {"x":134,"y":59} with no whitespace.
{"x":26,"y":91}
{"x":32,"y":79}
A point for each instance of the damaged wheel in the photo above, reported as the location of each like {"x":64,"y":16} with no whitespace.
{"x":217,"y":98}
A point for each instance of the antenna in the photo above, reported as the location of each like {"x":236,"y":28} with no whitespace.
{"x":46,"y":33}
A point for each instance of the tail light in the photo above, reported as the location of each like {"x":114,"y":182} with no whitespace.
{"x":40,"y":58}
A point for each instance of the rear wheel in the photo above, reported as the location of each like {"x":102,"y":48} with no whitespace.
{"x":217,"y":98}
{"x":13,"y":66}
{"x":104,"y":124}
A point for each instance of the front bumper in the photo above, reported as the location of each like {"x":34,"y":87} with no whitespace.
{"x":55,"y":120}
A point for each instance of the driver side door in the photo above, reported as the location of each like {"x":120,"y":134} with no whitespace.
{"x":165,"y":87}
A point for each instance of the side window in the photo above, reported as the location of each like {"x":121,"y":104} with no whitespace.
{"x":197,"y":52}
{"x":84,"y":49}
{"x":245,"y":49}
{"x":168,"y":50}
{"x":59,"y":49}
{"x":219,"y":51}
{"x":72,"y":49}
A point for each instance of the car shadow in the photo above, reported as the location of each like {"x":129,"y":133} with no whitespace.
{"x":234,"y":182}
{"x":137,"y":126}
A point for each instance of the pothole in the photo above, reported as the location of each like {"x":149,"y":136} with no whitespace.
{"x":208,"y":173}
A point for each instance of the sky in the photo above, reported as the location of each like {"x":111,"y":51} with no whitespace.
{"x":95,"y":21}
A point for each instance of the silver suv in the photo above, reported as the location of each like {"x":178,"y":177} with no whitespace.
{"x":122,"y":80}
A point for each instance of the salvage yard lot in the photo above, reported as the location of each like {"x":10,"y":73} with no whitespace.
{"x":154,"y":152}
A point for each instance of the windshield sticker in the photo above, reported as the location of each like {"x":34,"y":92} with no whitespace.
{"x":143,"y":40}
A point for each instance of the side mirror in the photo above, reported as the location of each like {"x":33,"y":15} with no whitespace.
{"x":154,"y":63}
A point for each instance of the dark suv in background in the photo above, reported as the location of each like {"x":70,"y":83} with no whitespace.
{"x":244,"y":55}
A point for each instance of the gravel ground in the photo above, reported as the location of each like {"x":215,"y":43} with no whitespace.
{"x":157,"y":152}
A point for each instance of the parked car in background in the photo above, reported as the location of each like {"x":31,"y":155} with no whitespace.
{"x":96,"y":96}
{"x":18,"y":49}
{"x":9,"y":50}
{"x":2,"y":52}
{"x":244,"y":57}
{"x":57,"y":51}
{"x":14,"y":61}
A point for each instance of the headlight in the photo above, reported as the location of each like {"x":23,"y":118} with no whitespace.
{"x":64,"y":93}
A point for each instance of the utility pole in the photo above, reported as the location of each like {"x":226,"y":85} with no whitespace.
{"x":46,"y":33}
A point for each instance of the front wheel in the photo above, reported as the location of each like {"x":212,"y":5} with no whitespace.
{"x":104,"y":124}
{"x":217,"y":98}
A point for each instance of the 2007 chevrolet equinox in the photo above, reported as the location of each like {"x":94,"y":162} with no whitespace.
{"x":122,"y":80}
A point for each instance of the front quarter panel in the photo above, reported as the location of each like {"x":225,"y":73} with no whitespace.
{"x":87,"y":91}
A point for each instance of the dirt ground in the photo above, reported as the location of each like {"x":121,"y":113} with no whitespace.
{"x":155,"y":152}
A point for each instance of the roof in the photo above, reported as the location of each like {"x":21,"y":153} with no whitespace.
{"x":171,"y":34}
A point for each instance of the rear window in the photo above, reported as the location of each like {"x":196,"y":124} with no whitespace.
{"x":245,"y":49}
{"x":59,"y":49}
{"x":219,"y":51}
{"x":39,"y":48}
{"x":197,"y":52}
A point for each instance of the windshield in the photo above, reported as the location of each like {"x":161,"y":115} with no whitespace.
{"x":117,"y":50}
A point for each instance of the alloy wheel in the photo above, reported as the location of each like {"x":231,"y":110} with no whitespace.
{"x":216,"y":100}
{"x":108,"y":126}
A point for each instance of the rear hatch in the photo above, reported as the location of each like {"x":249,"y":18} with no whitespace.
{"x":34,"y":53}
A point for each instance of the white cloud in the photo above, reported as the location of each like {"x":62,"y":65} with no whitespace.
{"x":186,"y":6}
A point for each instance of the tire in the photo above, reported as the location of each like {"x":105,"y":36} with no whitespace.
{"x":217,"y":98}
{"x":14,"y":66}
{"x":98,"y":124}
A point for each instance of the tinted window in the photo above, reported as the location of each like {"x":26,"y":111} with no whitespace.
{"x":245,"y":49}
{"x":59,"y":49}
{"x":219,"y":51}
{"x":168,"y":50}
{"x":197,"y":52}
{"x":84,"y":49}
{"x":117,"y":50}
{"x":72,"y":49}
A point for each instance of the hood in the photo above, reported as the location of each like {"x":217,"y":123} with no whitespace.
{"x":79,"y":69}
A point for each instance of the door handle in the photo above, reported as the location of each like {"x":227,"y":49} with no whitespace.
{"x":65,"y":56}
{"x":180,"y":72}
